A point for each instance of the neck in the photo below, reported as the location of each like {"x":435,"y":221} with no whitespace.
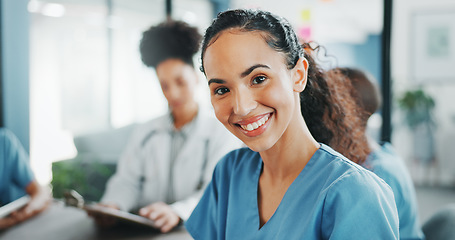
{"x":287,"y":158}
{"x":181,"y":118}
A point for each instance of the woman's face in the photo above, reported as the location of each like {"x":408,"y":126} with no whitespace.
{"x":252,"y":91}
{"x":178,"y":81}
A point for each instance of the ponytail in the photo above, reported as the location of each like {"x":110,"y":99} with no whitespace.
{"x":330,"y":113}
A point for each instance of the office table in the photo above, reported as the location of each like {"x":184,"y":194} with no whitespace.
{"x":68,"y":223}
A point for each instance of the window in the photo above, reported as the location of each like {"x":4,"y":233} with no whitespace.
{"x":86,"y":75}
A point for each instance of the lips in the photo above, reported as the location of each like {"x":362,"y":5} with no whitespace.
{"x":255,"y":125}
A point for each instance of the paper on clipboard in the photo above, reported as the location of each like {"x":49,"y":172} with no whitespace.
{"x":74,"y":199}
{"x":13,"y":206}
{"x":121,"y":215}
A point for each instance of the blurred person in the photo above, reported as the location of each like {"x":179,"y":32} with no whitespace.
{"x":285,"y":185}
{"x":17,"y":180}
{"x":169,"y":160}
{"x":441,"y":226}
{"x":361,"y":98}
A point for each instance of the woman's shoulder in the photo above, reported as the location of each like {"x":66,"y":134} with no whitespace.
{"x":335,"y":161}
{"x":350,"y":193}
{"x":343,"y":173}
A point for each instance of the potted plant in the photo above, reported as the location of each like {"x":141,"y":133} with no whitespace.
{"x":418,"y":107}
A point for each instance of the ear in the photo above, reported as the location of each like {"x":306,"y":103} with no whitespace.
{"x":300,"y":74}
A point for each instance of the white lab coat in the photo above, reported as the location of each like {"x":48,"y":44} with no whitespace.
{"x":143,"y":169}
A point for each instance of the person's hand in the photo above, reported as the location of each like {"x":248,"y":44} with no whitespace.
{"x":101,"y":219}
{"x":7,"y":222}
{"x":37,"y":204}
{"x":165,"y":218}
{"x":40,"y":199}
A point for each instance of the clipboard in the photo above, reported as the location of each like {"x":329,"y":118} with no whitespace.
{"x":74,"y":199}
{"x":13,"y":206}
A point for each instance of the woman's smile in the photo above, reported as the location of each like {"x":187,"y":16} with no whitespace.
{"x":253,"y":97}
{"x":254,"y":126}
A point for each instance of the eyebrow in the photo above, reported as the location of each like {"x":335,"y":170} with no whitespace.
{"x":243,"y":74}
{"x":249,"y":70}
{"x":216,"y":80}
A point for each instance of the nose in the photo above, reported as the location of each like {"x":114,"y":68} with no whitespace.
{"x":172,"y":93}
{"x":244,"y":102}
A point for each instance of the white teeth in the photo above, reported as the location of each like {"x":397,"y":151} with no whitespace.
{"x":255,"y":125}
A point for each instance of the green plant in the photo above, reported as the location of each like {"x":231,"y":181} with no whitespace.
{"x":87,"y":178}
{"x":417,"y":106}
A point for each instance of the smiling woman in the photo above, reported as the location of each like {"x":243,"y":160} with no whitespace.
{"x":285,"y":185}
{"x":258,"y":91}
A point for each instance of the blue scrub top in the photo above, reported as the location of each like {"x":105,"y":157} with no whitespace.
{"x":332,"y":198}
{"x":15,"y":172}
{"x":387,"y":164}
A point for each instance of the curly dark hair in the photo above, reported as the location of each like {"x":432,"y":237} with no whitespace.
{"x":171,"y":39}
{"x":323,"y":113}
{"x":364,"y":90}
{"x":355,"y":143}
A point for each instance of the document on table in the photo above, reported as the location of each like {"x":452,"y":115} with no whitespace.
{"x":74,"y":199}
{"x":121,"y":215}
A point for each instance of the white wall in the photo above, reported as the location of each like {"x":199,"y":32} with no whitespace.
{"x":402,"y":59}
{"x":68,"y":72}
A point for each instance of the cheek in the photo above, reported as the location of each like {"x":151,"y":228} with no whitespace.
{"x":278,"y":96}
{"x":221,"y":109}
{"x":187,"y":91}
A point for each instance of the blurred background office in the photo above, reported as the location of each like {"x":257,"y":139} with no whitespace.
{"x":73,"y":84}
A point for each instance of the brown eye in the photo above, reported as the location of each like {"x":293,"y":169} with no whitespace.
{"x":221,"y":91}
{"x":258,"y":80}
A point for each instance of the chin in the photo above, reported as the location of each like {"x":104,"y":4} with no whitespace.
{"x":258,"y":145}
